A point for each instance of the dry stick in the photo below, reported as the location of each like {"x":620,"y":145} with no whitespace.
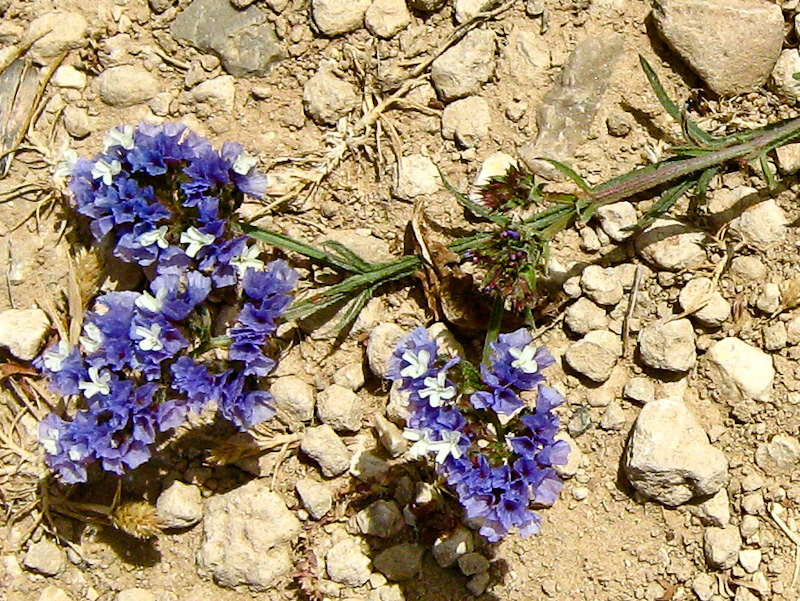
{"x":634,"y":297}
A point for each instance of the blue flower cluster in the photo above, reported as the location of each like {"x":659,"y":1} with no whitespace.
{"x":164,"y":197}
{"x":497,"y":453}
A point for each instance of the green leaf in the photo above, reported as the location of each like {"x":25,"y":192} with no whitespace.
{"x":470,"y":377}
{"x":701,"y":188}
{"x":570,"y":173}
{"x":472,"y":206}
{"x":766,"y":170}
{"x":286,"y":242}
{"x":348,"y":259}
{"x":665,"y":203}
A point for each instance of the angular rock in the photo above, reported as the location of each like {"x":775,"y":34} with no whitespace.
{"x":462,"y":69}
{"x":127,"y":85}
{"x":721,"y":547}
{"x":640,"y":389}
{"x":466,"y":121}
{"x":788,"y":155}
{"x":583,"y":316}
{"x":340,"y":408}
{"x":367,"y":466}
{"x":669,"y":458}
{"x":56,"y":33}
{"x":478,"y":583}
{"x":418,"y":176}
{"x":746,"y":44}
{"x":750,"y":269}
{"x":670,"y":245}
{"x":613,"y":417}
{"x":397,"y":407}
{"x":294,"y":400}
{"x":769,"y":300}
{"x":334,"y":17}
{"x":715,"y":511}
{"x":347,"y":563}
{"x":783,"y":82}
{"x":180,"y":505}
{"x":386,"y":18}
{"x":400,"y":562}
{"x":324,"y":446}
{"x":699,"y":291}
{"x":762,"y":225}
{"x":669,"y":346}
{"x":327,"y":98}
{"x":350,"y":376}
{"x":382,"y":341}
{"x":617,"y":220}
{"x":23,"y":332}
{"x":382,"y":519}
{"x":601,"y":285}
{"x":247,"y":536}
{"x":739,"y":370}
{"x":390,"y":436}
{"x":779,"y":456}
{"x":243,"y":39}
{"x":595,"y":355}
{"x":317,"y":498}
{"x":45,"y":557}
{"x":213,"y":96}
{"x":447,"y":550}
{"x":750,"y":560}
{"x":473,"y":563}
{"x":67,"y":76}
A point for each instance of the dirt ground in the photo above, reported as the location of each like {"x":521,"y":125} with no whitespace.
{"x":609,"y":545}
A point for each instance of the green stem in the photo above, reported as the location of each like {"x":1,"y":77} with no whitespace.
{"x":493,"y":330}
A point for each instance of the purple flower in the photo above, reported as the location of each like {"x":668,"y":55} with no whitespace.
{"x":517,"y":362}
{"x":413,"y":358}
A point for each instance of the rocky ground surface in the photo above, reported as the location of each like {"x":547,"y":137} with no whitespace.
{"x":676,"y":349}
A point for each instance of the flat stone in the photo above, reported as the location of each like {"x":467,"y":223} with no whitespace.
{"x":45,"y":557}
{"x":721,"y":547}
{"x":715,"y":511}
{"x":640,"y":389}
{"x":669,"y":458}
{"x":463,"y":68}
{"x":68,"y":77}
{"x":180,"y":505}
{"x":747,"y":42}
{"x":763,"y":225}
{"x":316,"y":496}
{"x":741,"y":371}
{"x":595,"y":355}
{"x":127,"y":85}
{"x":247,"y":536}
{"x":324,"y":446}
{"x":788,"y":155}
{"x":77,"y":122}
{"x":335,"y":17}
{"x":244,"y":40}
{"x":350,"y":376}
{"x":670,"y":245}
{"x":750,"y":560}
{"x":23,"y":332}
{"x":53,"y":593}
{"x":669,"y":346}
{"x":327,"y":98}
{"x":400,"y":562}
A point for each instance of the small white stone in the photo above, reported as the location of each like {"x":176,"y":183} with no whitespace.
{"x":294,"y":400}
{"x":640,"y":389}
{"x":316,"y":496}
{"x":23,"y":332}
{"x":467,"y":121}
{"x":750,"y":560}
{"x":769,"y":300}
{"x":740,"y":370}
{"x":417,"y":176}
{"x":350,"y":376}
{"x":782,"y":79}
{"x":67,"y":76}
{"x":347,"y":563}
{"x":617,"y":220}
{"x":180,"y":505}
{"x":327,"y":97}
{"x":671,"y":245}
{"x":669,"y":346}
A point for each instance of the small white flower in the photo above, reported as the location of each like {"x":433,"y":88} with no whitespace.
{"x":244,"y":163}
{"x":196,"y":240}
{"x":106,"y":171}
{"x":75,"y":454}
{"x":157,"y":236}
{"x":98,"y":383}
{"x":421,"y":440}
{"x":436,"y":391}
{"x":417,"y":364}
{"x":150,"y":340}
{"x":54,"y":358}
{"x":92,"y":339}
{"x":64,"y":167}
{"x":50,"y":441}
{"x":248,"y":258}
{"x":524,"y":358}
{"x":151,"y":303}
{"x":447,"y":446}
{"x":119,"y":136}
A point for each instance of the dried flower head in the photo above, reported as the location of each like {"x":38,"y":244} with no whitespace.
{"x":515,"y":188}
{"x":139,"y":519}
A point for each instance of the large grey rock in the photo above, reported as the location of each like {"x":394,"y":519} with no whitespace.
{"x":746,"y":42}
{"x":334,"y":17}
{"x":466,"y":66}
{"x":247,"y":536}
{"x":669,"y":458}
{"x":127,"y":85}
{"x":23,"y":332}
{"x":739,"y":370}
{"x":669,"y":346}
{"x":243,"y":39}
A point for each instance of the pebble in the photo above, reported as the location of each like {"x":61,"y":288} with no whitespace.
{"x":784,"y":84}
{"x":715,"y":511}
{"x":340,"y":408}
{"x":350,"y":376}
{"x":247,"y":537}
{"x":127,"y":85}
{"x":45,"y":557}
{"x":447,"y":549}
{"x":613,"y":417}
{"x":763,"y":225}
{"x":753,"y":503}
{"x":702,"y":290}
{"x":478,"y":583}
{"x":788,"y":155}
{"x":53,"y":593}
{"x":180,"y":505}
{"x":137,"y":594}
{"x":580,"y":493}
{"x":473,"y":563}
{"x":775,"y":336}
{"x":580,"y":421}
{"x":368,"y":467}
{"x":752,"y":482}
{"x":749,"y":526}
{"x":721,"y":547}
{"x":601,"y":285}
{"x":704,"y":585}
{"x":400,"y":562}
{"x":462,"y":69}
{"x":748,"y":268}
{"x":668,"y":345}
{"x":56,"y":33}
{"x":468,"y":9}
{"x":583,"y":316}
{"x":670,"y":245}
{"x":426,"y":6}
{"x":390,"y":436}
{"x":467,"y":121}
{"x":446,"y":343}
{"x":418,"y":176}
{"x":640,"y":389}
{"x":161,"y":104}
{"x":381,"y":344}
{"x":386,"y":18}
{"x":779,"y":456}
{"x":617,"y":220}
{"x":24,"y":332}
{"x":590,"y":242}
{"x":382,"y":519}
{"x":335,"y":17}
{"x":213,"y":96}
{"x":316,"y":497}
{"x":669,"y":458}
{"x":67,"y":76}
{"x":595,"y":355}
{"x":324,"y":446}
{"x":769,"y":300}
{"x":347,"y":563}
{"x":397,"y":407}
{"x":327,"y":98}
{"x":244,"y":40}
{"x":619,"y":125}
{"x":727,"y":66}
{"x":294,"y":400}
{"x":739,"y":370}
